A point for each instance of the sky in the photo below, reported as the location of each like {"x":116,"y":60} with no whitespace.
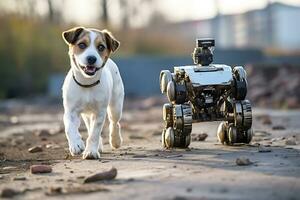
{"x":87,"y":11}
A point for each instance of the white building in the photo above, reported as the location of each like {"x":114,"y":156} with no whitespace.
{"x":275,"y":26}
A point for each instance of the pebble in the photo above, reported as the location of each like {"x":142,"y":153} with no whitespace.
{"x":106,"y":175}
{"x":199,"y":137}
{"x":36,"y":169}
{"x":35,"y":149}
{"x":8,"y":193}
{"x":278,"y":127}
{"x":19,"y":178}
{"x":263,"y":149}
{"x":242,"y":161}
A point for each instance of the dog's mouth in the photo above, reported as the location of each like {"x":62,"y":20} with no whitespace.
{"x":89,"y":69}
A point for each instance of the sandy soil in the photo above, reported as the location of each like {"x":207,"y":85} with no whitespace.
{"x":207,"y":170}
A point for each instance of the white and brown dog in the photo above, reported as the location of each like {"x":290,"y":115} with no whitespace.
{"x":92,"y":88}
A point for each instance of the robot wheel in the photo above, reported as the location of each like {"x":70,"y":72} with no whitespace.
{"x":178,"y":122}
{"x":229,"y":134}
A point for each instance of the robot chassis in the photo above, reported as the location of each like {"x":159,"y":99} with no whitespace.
{"x":205,"y":92}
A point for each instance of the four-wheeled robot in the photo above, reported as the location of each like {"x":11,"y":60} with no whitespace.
{"x":205,"y":92}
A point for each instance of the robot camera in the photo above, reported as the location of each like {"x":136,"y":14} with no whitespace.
{"x":203,"y":53}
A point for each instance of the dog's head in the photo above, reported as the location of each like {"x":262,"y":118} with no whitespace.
{"x":89,"y":49}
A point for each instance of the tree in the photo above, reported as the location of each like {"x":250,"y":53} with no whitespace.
{"x":104,"y":12}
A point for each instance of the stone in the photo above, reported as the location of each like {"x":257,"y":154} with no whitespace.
{"x":278,"y":127}
{"x":263,"y":149}
{"x":37,"y":169}
{"x":242,"y":161}
{"x":106,"y":175}
{"x":35,"y":149}
{"x":199,"y":137}
{"x":20,"y":178}
{"x":9,"y":193}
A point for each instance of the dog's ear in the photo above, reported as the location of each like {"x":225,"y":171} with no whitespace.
{"x":71,"y":36}
{"x":112,"y":43}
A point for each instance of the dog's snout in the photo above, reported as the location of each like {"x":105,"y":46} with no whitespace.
{"x":91,"y":60}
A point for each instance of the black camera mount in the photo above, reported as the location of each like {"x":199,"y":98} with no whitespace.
{"x":203,"y":54}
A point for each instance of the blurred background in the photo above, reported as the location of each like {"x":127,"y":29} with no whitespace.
{"x":262,"y":35}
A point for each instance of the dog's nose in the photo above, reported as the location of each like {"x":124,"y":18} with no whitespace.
{"x":91,"y":60}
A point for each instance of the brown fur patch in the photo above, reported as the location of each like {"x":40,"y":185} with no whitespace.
{"x":84,"y":37}
{"x":100,"y":40}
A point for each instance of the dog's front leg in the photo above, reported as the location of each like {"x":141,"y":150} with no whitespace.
{"x":94,"y":140}
{"x":72,"y":123}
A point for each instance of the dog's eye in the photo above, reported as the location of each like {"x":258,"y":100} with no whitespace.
{"x":101,"y":47}
{"x":82,"y":45}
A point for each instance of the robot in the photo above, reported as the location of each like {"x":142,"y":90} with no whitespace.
{"x":205,"y":92}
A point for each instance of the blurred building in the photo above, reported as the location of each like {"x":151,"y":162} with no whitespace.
{"x":275,"y":26}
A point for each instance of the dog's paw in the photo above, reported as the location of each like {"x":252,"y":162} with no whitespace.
{"x":116,"y":141}
{"x":76,"y":147}
{"x":91,"y":154}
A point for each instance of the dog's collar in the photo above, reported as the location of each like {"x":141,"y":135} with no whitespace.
{"x":86,"y":86}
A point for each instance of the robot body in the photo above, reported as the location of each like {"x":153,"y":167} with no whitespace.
{"x":210,"y":92}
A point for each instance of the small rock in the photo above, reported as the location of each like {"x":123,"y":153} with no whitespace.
{"x":36,"y":169}
{"x":291,"y":141}
{"x":263,"y":149}
{"x":106,"y":175}
{"x":242,"y":161}
{"x":8,"y":193}
{"x":278,"y":127}
{"x":199,"y":137}
{"x":35,"y":149}
{"x":19,"y":178}
{"x":43,"y":133}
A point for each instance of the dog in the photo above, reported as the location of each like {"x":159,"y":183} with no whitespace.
{"x":92,"y":89}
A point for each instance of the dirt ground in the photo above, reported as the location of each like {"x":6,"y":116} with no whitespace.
{"x":207,"y":170}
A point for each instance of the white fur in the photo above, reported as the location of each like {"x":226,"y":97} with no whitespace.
{"x":92,"y":104}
